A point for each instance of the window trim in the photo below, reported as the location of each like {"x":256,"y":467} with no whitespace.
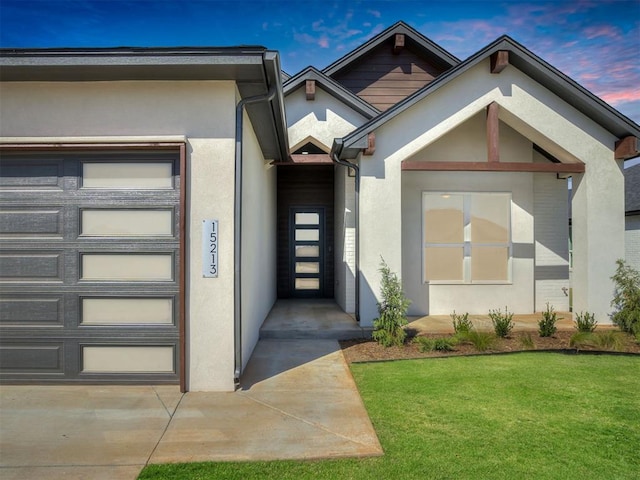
{"x":467,"y":243}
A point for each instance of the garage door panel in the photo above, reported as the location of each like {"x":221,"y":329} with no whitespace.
{"x":47,"y":174}
{"x":30,"y":310}
{"x":32,"y":358}
{"x":128,"y":310}
{"x":32,"y":222}
{"x":32,"y":266}
{"x":92,"y":262}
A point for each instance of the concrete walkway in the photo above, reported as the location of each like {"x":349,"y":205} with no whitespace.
{"x":298,"y":401}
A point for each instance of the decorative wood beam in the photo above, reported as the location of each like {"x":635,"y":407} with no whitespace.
{"x":311,"y":89}
{"x":493,"y":167}
{"x":398,"y":44}
{"x":493,"y":133}
{"x":499,"y":61}
{"x":371,"y":144}
{"x":626,"y":148}
{"x":306,"y":159}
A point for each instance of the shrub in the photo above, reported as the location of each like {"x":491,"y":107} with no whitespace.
{"x":581,"y":339}
{"x":527,"y":341}
{"x":425,"y":344}
{"x":444,"y":344}
{"x":547,"y":325}
{"x":461,"y":323}
{"x":606,"y":340}
{"x":502,"y":323}
{"x":585,"y":322}
{"x":387,"y":328}
{"x":626,"y":299}
{"x":481,"y":341}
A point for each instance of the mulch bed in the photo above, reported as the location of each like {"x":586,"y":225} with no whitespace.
{"x":364,"y":350}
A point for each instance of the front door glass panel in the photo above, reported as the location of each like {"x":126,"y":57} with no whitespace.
{"x":307,"y":242}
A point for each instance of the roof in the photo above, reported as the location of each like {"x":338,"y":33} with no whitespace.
{"x":413,"y":36}
{"x":332,"y":88}
{"x":254,"y":69}
{"x":632,"y":190}
{"x":524,"y":60}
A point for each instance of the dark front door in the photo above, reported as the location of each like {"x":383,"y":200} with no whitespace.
{"x":307,"y":242}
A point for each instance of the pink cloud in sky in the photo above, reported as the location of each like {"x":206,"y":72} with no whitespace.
{"x":607,"y":31}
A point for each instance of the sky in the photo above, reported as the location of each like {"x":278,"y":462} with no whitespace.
{"x":595,"y":42}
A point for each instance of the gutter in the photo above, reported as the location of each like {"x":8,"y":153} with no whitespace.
{"x":237,"y":211}
{"x":336,"y":159}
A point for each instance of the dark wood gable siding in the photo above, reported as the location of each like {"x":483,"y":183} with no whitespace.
{"x":383,"y":78}
{"x":304,"y":186}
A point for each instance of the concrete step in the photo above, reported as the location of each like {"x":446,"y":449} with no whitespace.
{"x":313,"y":334}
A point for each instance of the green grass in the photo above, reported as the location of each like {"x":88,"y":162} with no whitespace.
{"x":530,"y":415}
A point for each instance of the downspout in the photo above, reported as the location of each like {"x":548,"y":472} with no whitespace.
{"x":237,"y":247}
{"x":356,"y":168}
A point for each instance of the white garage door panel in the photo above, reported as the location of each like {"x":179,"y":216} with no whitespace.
{"x":88,"y":267}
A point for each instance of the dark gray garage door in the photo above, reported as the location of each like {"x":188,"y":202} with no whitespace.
{"x":89,"y":267}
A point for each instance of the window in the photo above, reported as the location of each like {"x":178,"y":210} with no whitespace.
{"x":466,"y":237}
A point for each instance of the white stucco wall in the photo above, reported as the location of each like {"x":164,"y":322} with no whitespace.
{"x":551,"y":223}
{"x":344,"y":225}
{"x":442,"y":299}
{"x":539,"y":116}
{"x":204,"y":113}
{"x":323,"y":118}
{"x":632,"y":241}
{"x":258,"y":240}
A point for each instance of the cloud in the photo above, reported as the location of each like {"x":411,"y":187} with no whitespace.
{"x":374,"y":13}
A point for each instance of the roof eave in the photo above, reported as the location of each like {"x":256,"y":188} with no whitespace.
{"x":333,"y":88}
{"x":399,"y":27}
{"x":563,"y":86}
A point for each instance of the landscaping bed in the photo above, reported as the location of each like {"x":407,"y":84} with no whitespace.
{"x":364,"y":350}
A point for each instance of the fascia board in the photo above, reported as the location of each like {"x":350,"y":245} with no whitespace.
{"x":551,"y":78}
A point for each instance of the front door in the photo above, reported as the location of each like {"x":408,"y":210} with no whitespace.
{"x":307,"y":251}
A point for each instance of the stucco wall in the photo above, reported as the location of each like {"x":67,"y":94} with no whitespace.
{"x":442,"y":299}
{"x":539,"y":116}
{"x":204,"y":113}
{"x":324,"y":118}
{"x":632,"y":241}
{"x":552,"y":241}
{"x":344,"y":193}
{"x":258,"y":240}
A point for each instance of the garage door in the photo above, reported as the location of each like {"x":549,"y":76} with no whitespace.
{"x":89,"y":267}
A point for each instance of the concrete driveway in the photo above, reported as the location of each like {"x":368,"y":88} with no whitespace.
{"x":298,"y":401}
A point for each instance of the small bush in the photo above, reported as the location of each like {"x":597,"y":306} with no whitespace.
{"x":461,"y":323}
{"x":547,"y":326}
{"x":387,"y":328}
{"x":626,"y":299}
{"x":607,"y":340}
{"x":502,"y":322}
{"x":444,"y":344}
{"x":527,"y":341}
{"x":585,"y":322}
{"x":581,"y":339}
{"x":425,"y":344}
{"x":481,"y":341}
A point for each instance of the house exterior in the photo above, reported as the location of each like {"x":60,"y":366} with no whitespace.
{"x":155,"y":203}
{"x":632,"y":216}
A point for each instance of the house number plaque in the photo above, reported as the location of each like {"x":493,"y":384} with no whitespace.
{"x":210,"y":248}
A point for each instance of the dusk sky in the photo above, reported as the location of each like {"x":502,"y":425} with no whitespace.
{"x":597,"y":43}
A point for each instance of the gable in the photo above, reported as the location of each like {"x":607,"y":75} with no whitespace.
{"x":322,"y":119}
{"x":385,"y":76}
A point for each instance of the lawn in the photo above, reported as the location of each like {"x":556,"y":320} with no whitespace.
{"x":529,"y":415}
